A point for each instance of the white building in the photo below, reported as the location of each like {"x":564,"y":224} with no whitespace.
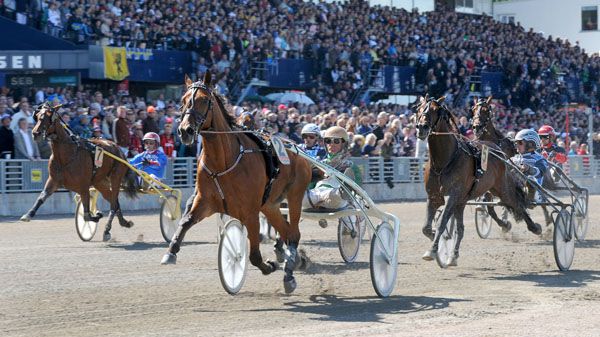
{"x":574,"y":20}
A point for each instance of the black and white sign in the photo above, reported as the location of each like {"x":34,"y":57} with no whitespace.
{"x":18,"y":62}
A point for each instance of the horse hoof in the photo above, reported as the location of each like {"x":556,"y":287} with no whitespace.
{"x":429,"y":255}
{"x":323,"y":223}
{"x":304,"y":261}
{"x":127,"y":224}
{"x":507,"y":227}
{"x":452,"y":261}
{"x":25,"y":218}
{"x":169,"y":258}
{"x":274,"y":265}
{"x":535,"y":229}
{"x":289,"y":285}
{"x":106,"y":237}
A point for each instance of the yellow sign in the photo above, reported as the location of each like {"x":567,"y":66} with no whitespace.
{"x":36,"y":176}
{"x":115,"y":63}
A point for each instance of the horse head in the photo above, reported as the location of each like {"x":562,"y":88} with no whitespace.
{"x":482,"y":115}
{"x":196,"y":105}
{"x":429,"y":112}
{"x":47,"y":121}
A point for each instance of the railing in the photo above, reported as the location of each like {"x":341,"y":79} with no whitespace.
{"x":18,"y":176}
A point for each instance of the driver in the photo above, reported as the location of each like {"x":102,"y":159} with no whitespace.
{"x":327,"y":192}
{"x":550,"y":150}
{"x":310,"y":135}
{"x":153,"y":161}
{"x":530,"y":162}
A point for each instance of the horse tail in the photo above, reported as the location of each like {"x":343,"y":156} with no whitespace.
{"x":131,"y":185}
{"x":520,"y":200}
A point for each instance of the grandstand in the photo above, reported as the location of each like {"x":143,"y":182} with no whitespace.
{"x":339,"y":54}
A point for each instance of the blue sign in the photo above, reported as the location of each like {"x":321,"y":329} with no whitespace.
{"x":397,"y":80}
{"x":165,"y":66}
{"x":491,"y":83}
{"x":292,"y":73}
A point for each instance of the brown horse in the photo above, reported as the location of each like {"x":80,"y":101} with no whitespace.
{"x":232,"y":179}
{"x":71,"y":166}
{"x":451,"y":173}
{"x":483,"y":125}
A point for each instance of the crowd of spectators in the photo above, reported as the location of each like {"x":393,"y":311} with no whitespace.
{"x":347,"y":41}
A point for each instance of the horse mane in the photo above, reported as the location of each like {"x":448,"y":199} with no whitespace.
{"x":222,"y":101}
{"x":452,"y":119}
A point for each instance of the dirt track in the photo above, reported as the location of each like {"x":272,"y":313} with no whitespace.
{"x":52,"y":284}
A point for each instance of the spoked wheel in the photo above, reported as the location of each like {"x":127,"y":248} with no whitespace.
{"x":170,"y":214}
{"x":483,"y":222}
{"x":564,"y":240}
{"x":581,"y":217}
{"x":447,"y":243}
{"x":384,"y":260}
{"x":85,"y":229}
{"x":349,"y":237}
{"x":233,"y":256}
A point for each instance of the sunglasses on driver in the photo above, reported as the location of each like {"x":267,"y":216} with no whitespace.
{"x":308,"y":136}
{"x":334,"y":140}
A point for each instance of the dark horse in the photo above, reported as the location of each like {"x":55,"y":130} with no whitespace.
{"x":450,"y":172}
{"x":483,"y":125}
{"x":232,"y":179}
{"x":71,"y":166}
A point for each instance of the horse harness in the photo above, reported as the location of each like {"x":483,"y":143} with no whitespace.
{"x":265,"y":146}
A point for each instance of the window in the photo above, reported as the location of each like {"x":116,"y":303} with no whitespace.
{"x":507,"y":19}
{"x":464,"y":3}
{"x":589,"y":18}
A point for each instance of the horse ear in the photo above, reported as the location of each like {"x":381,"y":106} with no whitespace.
{"x":426,"y":96}
{"x":475,"y":100}
{"x":188,"y":82}
{"x":422,"y":99}
{"x":441,"y":99}
{"x":489,"y":100}
{"x":207,"y":78}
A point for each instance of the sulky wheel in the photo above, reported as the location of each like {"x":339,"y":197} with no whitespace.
{"x":170,"y":213}
{"x":233,"y":256}
{"x":384,"y":260}
{"x":564,"y":240}
{"x":581,"y":215}
{"x":85,"y":229}
{"x":349,"y":237}
{"x":483,"y":222}
{"x":447,"y":243}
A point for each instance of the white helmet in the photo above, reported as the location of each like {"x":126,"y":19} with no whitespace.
{"x":311,"y":128}
{"x":529,"y":135}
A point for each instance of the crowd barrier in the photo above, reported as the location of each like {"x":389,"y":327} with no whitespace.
{"x":17,"y":176}
{"x":384,"y":180}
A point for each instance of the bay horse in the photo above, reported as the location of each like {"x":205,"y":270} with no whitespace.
{"x":483,"y":125}
{"x":71,"y":166}
{"x":232,"y":179}
{"x":450,"y":172}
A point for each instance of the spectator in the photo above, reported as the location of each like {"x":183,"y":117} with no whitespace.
{"x":370,"y":149}
{"x":122,"y":128}
{"x":573,"y":148}
{"x":358,"y":142}
{"x":167,"y":140}
{"x":150,"y":124}
{"x":25,"y":111}
{"x":364,"y":128}
{"x":25,"y":147}
{"x":379,"y":129}
{"x":135,"y":145}
{"x":7,"y":138}
{"x":83,"y":129}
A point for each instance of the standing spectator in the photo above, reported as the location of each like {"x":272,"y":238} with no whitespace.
{"x":370,"y":149}
{"x":150,"y":124}
{"x":573,"y":148}
{"x":364,"y":128}
{"x":106,"y":125}
{"x":167,"y":140}
{"x":83,"y":129}
{"x":463,"y":126}
{"x":7,"y":138}
{"x":25,"y":147}
{"x":24,"y":112}
{"x":121,"y":128}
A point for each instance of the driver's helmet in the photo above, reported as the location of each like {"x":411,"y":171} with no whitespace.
{"x":311,"y":129}
{"x":546,"y":130}
{"x":529,"y":135}
{"x":153,"y":136}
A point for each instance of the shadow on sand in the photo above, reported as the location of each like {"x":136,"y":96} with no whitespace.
{"x":568,"y":279}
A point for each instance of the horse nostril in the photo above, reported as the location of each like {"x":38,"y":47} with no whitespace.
{"x":189,"y":130}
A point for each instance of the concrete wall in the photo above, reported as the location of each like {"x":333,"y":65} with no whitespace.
{"x":12,"y":205}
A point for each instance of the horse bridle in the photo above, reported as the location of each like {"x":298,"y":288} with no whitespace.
{"x":189,"y":108}
{"x":441,"y":114}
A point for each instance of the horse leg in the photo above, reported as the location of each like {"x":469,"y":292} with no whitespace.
{"x":108,"y":195}
{"x":506,"y":226}
{"x":85,"y":201}
{"x":253,"y":225}
{"x":433,"y":203}
{"x":547,"y":216}
{"x":459,"y":216}
{"x":50,"y":187}
{"x":115,"y":206}
{"x":195,"y":211}
{"x":448,"y":210}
